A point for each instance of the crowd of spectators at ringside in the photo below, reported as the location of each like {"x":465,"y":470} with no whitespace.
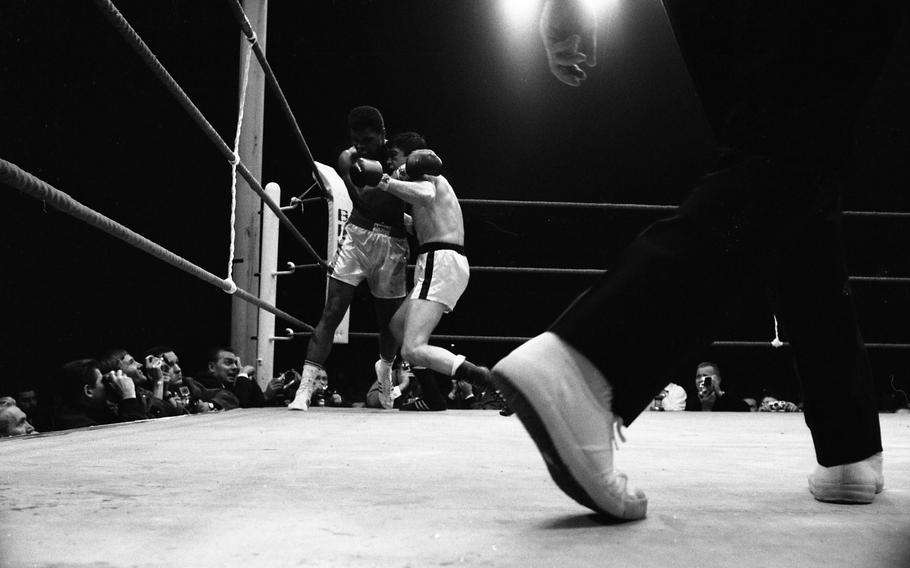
{"x":710,"y":393}
{"x":117,"y":387}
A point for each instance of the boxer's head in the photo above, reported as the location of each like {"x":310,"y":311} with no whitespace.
{"x":367,"y":132}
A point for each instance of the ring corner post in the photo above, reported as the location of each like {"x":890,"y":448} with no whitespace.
{"x":244,"y":316}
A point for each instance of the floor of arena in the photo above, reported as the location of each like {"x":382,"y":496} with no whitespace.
{"x":356,"y":487}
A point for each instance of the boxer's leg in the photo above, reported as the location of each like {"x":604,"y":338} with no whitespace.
{"x":338,"y":299}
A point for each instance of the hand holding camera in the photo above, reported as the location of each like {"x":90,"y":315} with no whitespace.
{"x":706,"y":390}
{"x":178,"y":403}
{"x":203,"y":407}
{"x":118,"y":385}
{"x":275,"y":386}
{"x":182,"y":400}
{"x":290,"y":380}
{"x":153,"y":367}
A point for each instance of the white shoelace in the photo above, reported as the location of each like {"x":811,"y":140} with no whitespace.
{"x":618,"y":427}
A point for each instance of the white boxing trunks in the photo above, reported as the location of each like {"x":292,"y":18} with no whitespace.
{"x":441,"y":274}
{"x":377,"y":254}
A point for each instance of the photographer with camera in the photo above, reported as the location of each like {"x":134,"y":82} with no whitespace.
{"x":147,"y":378}
{"x":185,"y":394}
{"x":88,"y":398}
{"x":712,"y":397}
{"x":285,"y":387}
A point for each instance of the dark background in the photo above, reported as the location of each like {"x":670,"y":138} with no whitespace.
{"x":81,"y":111}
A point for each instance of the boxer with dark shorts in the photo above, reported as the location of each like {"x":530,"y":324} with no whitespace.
{"x":442,"y":270}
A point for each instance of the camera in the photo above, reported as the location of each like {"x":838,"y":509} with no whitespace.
{"x":107,"y":379}
{"x":181,"y":399}
{"x":706,"y":382}
{"x":111,"y":389}
{"x":290,"y":380}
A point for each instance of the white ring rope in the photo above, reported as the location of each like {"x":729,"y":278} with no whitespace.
{"x":17,"y":178}
{"x":776,"y":342}
{"x":234,"y":162}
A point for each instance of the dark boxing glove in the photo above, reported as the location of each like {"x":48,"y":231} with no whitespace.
{"x":365,"y":172}
{"x":422,"y":162}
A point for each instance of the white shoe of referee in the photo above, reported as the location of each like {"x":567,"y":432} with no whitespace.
{"x":565,"y":404}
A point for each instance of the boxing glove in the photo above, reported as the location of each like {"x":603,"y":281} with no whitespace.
{"x":422,"y":162}
{"x":365,"y":172}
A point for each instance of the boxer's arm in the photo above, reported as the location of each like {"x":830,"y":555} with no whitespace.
{"x":410,"y":181}
{"x":345,"y":159}
{"x":420,"y":192}
{"x":409,"y":224}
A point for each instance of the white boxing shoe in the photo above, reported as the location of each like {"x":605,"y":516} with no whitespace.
{"x":384,"y":376}
{"x":305,"y":390}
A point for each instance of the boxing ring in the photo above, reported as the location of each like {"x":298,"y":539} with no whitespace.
{"x":266,"y":487}
{"x":31,"y":185}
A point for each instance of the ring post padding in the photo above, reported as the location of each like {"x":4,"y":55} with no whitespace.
{"x":268,"y":289}
{"x":340,"y":206}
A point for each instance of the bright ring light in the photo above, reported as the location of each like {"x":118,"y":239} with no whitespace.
{"x":519,"y":13}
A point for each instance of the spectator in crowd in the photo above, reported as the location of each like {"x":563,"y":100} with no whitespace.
{"x":224,"y":370}
{"x":26,"y":399}
{"x":120,"y":359}
{"x":323,"y":394}
{"x":488,"y":398}
{"x":289,"y":382}
{"x":672,"y":398}
{"x":403,"y":389}
{"x":712,"y":397}
{"x":38,"y":414}
{"x":149,"y":387}
{"x":185,"y":394}
{"x":770,"y":403}
{"x":462,"y":395}
{"x":13,"y":422}
{"x":88,"y":398}
{"x":171,"y":371}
